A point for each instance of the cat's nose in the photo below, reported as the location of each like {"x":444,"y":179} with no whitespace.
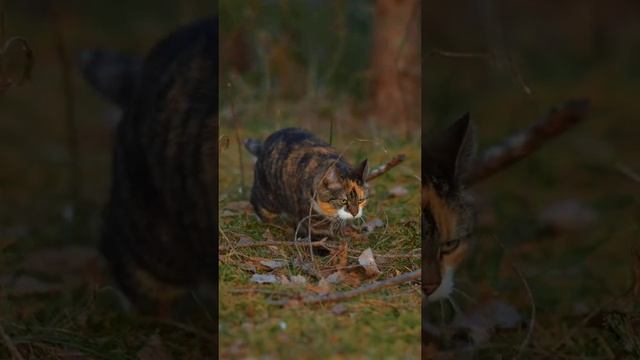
{"x":430,"y":288}
{"x":354,"y":211}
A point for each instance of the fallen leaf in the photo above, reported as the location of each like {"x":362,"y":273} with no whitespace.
{"x":274,"y":264}
{"x":322,"y":288}
{"x":268,"y":236}
{"x":340,"y":256}
{"x":264,"y":279}
{"x":154,"y":349}
{"x":240,"y":206}
{"x":298,"y":280}
{"x":335,"y":278}
{"x":339,"y":309}
{"x":568,"y":215}
{"x":398,"y":191}
{"x":244,"y":240}
{"x":282,"y":279}
{"x":367,"y":261}
{"x":371,"y":225}
{"x":352,"y":278}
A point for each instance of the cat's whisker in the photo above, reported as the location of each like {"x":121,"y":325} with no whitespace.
{"x":465,"y":295}
{"x":454,"y":305}
{"x":442,"y":312}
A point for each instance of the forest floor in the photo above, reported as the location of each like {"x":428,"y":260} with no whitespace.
{"x":383,"y":324}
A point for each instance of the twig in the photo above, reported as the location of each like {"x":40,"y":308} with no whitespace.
{"x":627,"y":171}
{"x":345,"y":295}
{"x":274,"y":243}
{"x":386,"y":167}
{"x":532,"y":322}
{"x":69,"y":113}
{"x":523,"y":143}
{"x":236,"y":127}
{"x":15,"y":354}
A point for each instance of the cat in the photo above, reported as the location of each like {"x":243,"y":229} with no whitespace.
{"x":160,"y":223}
{"x":298,"y":174}
{"x":448,"y":215}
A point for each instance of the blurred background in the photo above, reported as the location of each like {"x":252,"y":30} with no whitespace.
{"x":567,"y":215}
{"x":55,"y":155}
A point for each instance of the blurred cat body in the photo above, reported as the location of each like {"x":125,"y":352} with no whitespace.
{"x":159,"y":225}
{"x":448,"y":215}
{"x":299,"y":175}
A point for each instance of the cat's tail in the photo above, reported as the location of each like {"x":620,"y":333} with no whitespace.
{"x":254,"y":146}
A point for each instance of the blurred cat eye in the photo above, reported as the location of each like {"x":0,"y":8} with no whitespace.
{"x":448,"y":246}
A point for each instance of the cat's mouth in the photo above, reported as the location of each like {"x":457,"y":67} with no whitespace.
{"x":346,"y":215}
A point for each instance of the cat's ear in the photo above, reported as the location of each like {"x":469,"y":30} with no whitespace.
{"x":111,"y":73}
{"x":362,"y":170}
{"x":454,"y":149}
{"x":331,"y":176}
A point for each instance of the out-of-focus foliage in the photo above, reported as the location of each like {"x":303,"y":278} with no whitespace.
{"x":294,"y":48}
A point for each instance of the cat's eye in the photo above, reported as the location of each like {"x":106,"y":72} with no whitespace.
{"x":448,"y":246}
{"x":343,"y":201}
{"x":360,"y":201}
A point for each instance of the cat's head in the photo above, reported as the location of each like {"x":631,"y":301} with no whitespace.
{"x":447,"y":210}
{"x":341,"y":192}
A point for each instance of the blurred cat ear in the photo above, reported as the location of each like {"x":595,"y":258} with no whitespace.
{"x":454,"y":150}
{"x":111,"y":73}
{"x":362,"y":170}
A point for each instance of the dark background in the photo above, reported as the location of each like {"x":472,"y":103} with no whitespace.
{"x":568,"y":215}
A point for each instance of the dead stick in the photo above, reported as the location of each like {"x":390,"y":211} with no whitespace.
{"x":274,"y":243}
{"x":345,"y":295}
{"x":523,"y":143}
{"x":386,"y":167}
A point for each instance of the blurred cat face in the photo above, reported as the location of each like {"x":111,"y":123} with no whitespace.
{"x":447,"y":226}
{"x":447,"y":210}
{"x":342,"y":194}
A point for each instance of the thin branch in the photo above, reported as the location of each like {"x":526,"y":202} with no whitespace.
{"x":532,"y":323}
{"x":69,"y":112}
{"x":345,"y":295}
{"x":15,"y":354}
{"x":272,"y":243}
{"x":386,"y":167}
{"x":525,"y":142}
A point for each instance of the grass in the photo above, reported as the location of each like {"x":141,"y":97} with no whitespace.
{"x":385,"y":324}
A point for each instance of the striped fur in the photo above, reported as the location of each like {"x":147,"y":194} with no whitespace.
{"x":160,"y":222}
{"x":298,"y":174}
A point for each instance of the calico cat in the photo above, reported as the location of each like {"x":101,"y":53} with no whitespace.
{"x":298,"y":174}
{"x":160,"y":224}
{"x":448,"y":215}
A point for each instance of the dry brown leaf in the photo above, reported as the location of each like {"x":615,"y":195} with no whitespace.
{"x":268,"y":236}
{"x":352,"y":278}
{"x":245,"y":240}
{"x":322,"y":288}
{"x":367,"y":261}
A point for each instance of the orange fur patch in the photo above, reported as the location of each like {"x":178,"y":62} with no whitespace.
{"x":327,"y":208}
{"x":445,"y":218}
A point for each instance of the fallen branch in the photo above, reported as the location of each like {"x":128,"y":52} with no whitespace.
{"x":385,"y":167}
{"x":523,"y":143}
{"x":274,"y":243}
{"x":345,"y":295}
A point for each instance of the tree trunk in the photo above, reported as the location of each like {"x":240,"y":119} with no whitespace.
{"x":396,"y":67}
